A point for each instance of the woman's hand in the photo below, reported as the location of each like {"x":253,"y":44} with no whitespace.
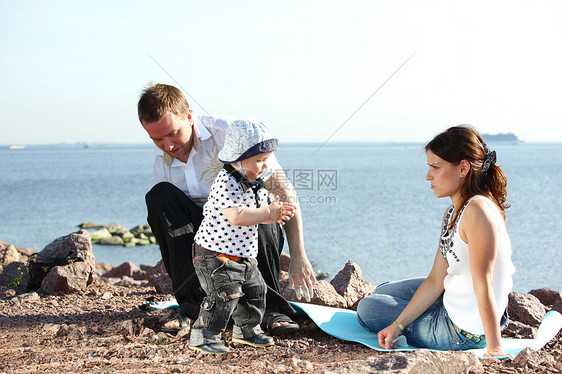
{"x":388,"y":335}
{"x":497,"y":353}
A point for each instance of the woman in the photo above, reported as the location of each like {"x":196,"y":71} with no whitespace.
{"x":461,"y":303}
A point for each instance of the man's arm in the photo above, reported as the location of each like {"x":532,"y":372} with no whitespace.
{"x":301,"y":274}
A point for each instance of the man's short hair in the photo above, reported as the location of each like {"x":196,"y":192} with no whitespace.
{"x":158,"y":99}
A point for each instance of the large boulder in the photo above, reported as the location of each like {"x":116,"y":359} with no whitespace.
{"x":323,"y":294}
{"x":547,"y":296}
{"x":529,"y":360}
{"x":350,"y":284}
{"x":525,"y":308}
{"x":159,"y":278}
{"x":68,"y":279}
{"x":75,"y":276}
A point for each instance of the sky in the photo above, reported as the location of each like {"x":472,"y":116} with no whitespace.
{"x":314,"y":71}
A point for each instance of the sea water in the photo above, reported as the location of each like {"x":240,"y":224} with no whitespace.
{"x":364,"y":202}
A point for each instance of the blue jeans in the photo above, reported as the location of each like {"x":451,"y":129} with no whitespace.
{"x":433,"y":329}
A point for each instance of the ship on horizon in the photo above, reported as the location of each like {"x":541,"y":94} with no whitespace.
{"x":507,"y":137}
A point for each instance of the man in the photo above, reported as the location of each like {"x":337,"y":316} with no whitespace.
{"x":185,"y":167}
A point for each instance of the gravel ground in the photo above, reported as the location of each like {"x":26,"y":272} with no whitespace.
{"x":104,"y":330}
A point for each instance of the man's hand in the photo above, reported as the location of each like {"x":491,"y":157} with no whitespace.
{"x":301,"y":277}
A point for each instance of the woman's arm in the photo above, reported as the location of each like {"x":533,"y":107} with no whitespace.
{"x":480,"y":230}
{"x":428,"y":292}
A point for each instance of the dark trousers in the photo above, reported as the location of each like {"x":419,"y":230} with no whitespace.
{"x":233,"y":288}
{"x":174,"y":219}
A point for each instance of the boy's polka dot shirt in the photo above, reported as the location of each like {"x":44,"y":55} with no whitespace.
{"x":216,"y":232}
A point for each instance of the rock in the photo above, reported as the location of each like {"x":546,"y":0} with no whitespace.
{"x":89,"y":225}
{"x":126,"y":269}
{"x":127,"y":237}
{"x":14,"y":275}
{"x":159,"y":278}
{"x":68,"y":279}
{"x":184,"y":333}
{"x":116,"y":229}
{"x":100,"y":234}
{"x":519,"y":330}
{"x":420,"y":361}
{"x":136,"y":326}
{"x":324,"y":294}
{"x":112,"y":240}
{"x":25,"y":253}
{"x":72,"y":331}
{"x":129,"y":282}
{"x":525,"y":308}
{"x":141,"y":230}
{"x":283,"y":275}
{"x":307,"y":365}
{"x":557,"y":307}
{"x":547,"y":296}
{"x":105,"y":296}
{"x":132,"y":242}
{"x":75,"y":276}
{"x":7,"y":293}
{"x":144,"y":242}
{"x":350,"y":284}
{"x":8,"y":253}
{"x":530,"y":359}
{"x":77,"y":242}
{"x":29,"y":297}
{"x":103,"y":267}
{"x":284,"y":261}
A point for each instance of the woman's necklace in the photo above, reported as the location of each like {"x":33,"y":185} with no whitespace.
{"x":446,"y":239}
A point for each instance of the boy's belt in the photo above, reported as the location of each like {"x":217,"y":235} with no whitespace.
{"x":198,"y":250}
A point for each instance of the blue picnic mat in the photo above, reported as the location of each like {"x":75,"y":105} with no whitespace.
{"x":343,"y":324}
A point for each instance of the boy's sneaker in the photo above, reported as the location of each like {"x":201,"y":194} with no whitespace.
{"x":215,"y":348}
{"x":259,"y":340}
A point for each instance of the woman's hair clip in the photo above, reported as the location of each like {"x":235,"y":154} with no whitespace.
{"x":489,"y":158}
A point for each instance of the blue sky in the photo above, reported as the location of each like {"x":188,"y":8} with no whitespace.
{"x":312,"y":70}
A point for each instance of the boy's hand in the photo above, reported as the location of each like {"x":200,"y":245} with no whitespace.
{"x":281,"y":211}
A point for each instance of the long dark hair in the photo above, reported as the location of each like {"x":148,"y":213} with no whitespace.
{"x":465,"y":143}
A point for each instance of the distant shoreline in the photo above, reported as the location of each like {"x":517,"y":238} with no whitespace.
{"x":495,"y":139}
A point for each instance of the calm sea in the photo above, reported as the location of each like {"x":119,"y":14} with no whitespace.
{"x":365,"y":202}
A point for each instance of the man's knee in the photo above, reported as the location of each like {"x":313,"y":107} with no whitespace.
{"x":158,"y":194}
